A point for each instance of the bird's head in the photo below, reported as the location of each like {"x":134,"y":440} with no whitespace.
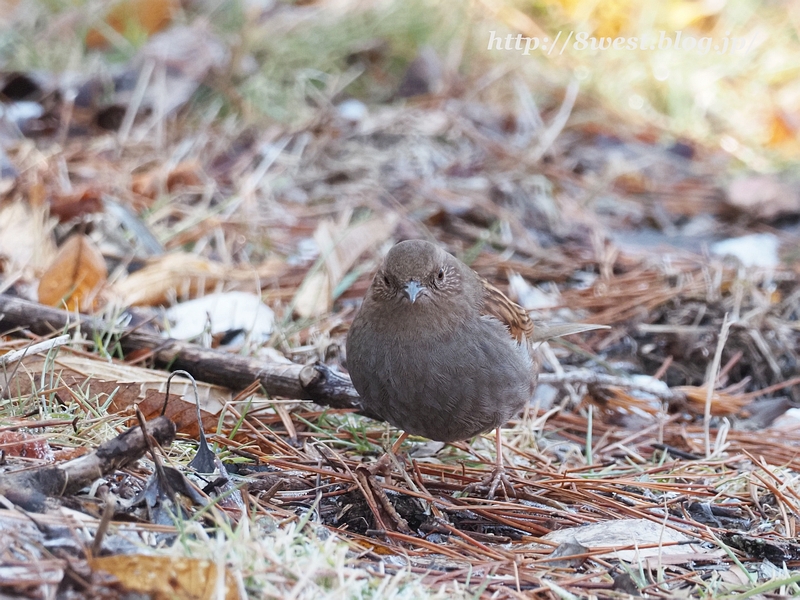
{"x":417,"y":273}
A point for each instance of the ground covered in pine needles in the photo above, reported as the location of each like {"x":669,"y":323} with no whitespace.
{"x":210,"y":188}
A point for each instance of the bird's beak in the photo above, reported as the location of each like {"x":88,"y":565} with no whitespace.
{"x":412,"y":290}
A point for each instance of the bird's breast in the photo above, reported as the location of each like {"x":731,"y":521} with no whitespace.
{"x":444,"y":383}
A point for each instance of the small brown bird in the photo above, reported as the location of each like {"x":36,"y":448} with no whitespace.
{"x":437,"y":351}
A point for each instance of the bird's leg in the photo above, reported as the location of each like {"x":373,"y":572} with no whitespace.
{"x":391,"y":456}
{"x":383,"y":464}
{"x":498,"y":475}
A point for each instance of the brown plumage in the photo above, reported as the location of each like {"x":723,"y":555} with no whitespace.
{"x":511,"y":314}
{"x":437,"y":351}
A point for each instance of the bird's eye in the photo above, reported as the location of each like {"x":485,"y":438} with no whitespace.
{"x":440,"y":276}
{"x":386,"y":280}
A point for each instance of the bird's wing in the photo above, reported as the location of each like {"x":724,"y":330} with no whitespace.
{"x":519,"y":323}
{"x":510,"y":314}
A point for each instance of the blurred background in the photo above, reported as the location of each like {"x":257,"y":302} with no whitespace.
{"x":232,"y":172}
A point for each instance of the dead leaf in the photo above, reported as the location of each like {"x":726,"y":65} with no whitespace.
{"x":339,"y":246}
{"x":149,"y":16}
{"x":118,"y":387}
{"x":66,"y":454}
{"x":179,"y":410}
{"x":187,"y":275}
{"x":661,"y":543}
{"x":151,"y":182}
{"x":76,"y":204}
{"x":25,"y":238}
{"x":75,"y":277}
{"x":182,"y":273}
{"x":188,"y":173}
{"x":20,"y":443}
{"x":783,"y":131}
{"x":168,"y":577}
{"x":222,"y":313}
{"x":722,"y":403}
{"x":632,"y":183}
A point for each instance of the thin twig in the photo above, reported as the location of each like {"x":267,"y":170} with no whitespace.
{"x":586,"y":377}
{"x":45,"y":346}
{"x":711,"y":382}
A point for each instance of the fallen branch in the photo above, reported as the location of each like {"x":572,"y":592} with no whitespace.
{"x":317,"y":383}
{"x":30,"y":488}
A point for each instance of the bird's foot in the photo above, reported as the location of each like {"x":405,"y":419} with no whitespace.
{"x":382,"y":466}
{"x":496,"y":479}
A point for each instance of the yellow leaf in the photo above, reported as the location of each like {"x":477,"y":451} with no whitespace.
{"x":168,"y":577}
{"x":340,"y":246}
{"x":75,"y":277}
{"x":179,"y":273}
{"x":149,"y":16}
{"x":783,"y":132}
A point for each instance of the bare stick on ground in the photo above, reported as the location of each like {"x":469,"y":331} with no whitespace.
{"x":31,"y":487}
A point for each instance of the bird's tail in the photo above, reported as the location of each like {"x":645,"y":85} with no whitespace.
{"x":542,"y":333}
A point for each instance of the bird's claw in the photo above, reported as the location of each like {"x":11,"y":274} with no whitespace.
{"x":382,"y":466}
{"x":496,"y":479}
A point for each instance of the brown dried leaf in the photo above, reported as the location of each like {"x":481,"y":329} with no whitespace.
{"x":188,"y":173}
{"x":340,"y":246}
{"x":783,"y":130}
{"x":163,"y":577}
{"x":66,"y":454}
{"x":722,"y":403}
{"x":633,"y":183}
{"x":19,"y":443}
{"x":149,"y":183}
{"x":75,"y":277}
{"x":148,"y":15}
{"x":127,"y":387}
{"x":69,"y":206}
{"x":180,"y":411}
{"x":181,"y":273}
